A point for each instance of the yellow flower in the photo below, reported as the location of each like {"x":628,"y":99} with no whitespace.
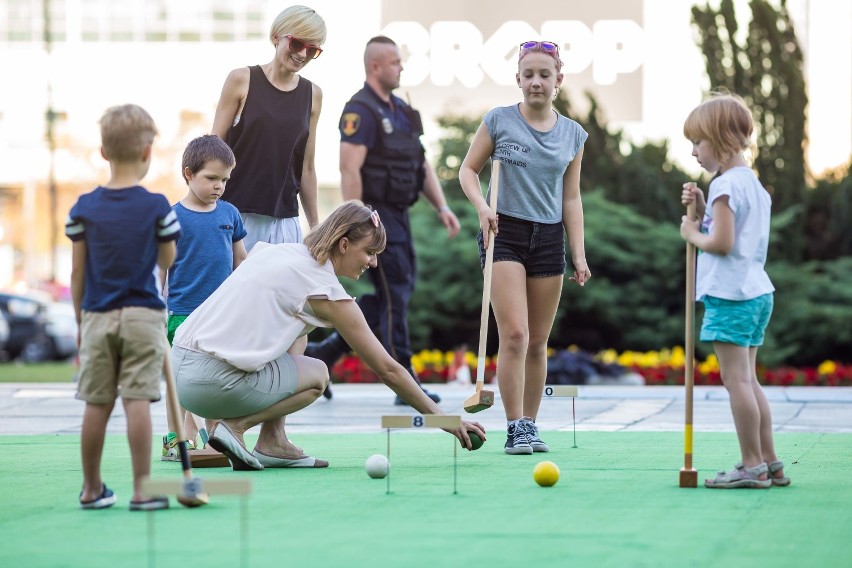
{"x":710,"y":365}
{"x":608,"y":356}
{"x":470,"y":359}
{"x":827,"y":368}
{"x":677,"y":360}
{"x":627,"y":359}
{"x":417,"y":362}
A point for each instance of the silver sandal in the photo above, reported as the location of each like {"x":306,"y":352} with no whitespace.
{"x":741,"y":478}
{"x":775,"y":467}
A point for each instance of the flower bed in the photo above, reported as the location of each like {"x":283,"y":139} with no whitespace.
{"x":664,"y":367}
{"x":432,"y":366}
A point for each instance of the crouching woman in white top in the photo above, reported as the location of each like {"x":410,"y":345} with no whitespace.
{"x":238,"y":358}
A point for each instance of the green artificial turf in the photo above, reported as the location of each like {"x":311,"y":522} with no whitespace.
{"x":56,"y":372}
{"x":617,"y":503}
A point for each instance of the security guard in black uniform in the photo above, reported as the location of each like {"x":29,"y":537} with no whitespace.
{"x":382,"y":163}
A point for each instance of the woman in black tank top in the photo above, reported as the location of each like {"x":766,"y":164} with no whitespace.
{"x":268,"y":116}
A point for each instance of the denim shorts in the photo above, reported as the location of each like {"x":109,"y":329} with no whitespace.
{"x":540,"y":247}
{"x":742,"y":323}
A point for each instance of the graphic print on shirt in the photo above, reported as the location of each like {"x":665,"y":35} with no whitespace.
{"x":511,"y":153}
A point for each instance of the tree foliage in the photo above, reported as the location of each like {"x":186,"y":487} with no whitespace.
{"x":641,"y":176}
{"x":813,"y":308}
{"x":766,"y":69}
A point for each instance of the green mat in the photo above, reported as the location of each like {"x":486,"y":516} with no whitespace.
{"x":617,"y":503}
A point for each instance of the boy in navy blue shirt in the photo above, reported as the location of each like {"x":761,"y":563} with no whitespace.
{"x":120,"y":233}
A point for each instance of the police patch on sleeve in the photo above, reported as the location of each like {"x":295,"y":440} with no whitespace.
{"x":349,"y":123}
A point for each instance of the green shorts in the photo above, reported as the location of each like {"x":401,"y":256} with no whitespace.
{"x":172,"y":325}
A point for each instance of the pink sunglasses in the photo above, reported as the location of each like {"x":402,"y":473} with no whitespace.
{"x":297,"y":45}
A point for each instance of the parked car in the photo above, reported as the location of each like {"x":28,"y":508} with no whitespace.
{"x":61,"y":329}
{"x":39,"y":330}
{"x":4,"y":331}
{"x":27,"y":326}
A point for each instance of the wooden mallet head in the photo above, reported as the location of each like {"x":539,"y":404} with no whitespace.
{"x":192,"y":493}
{"x":480,"y":400}
{"x":688,"y":478}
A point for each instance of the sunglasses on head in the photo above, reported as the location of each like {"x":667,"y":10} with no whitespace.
{"x":297,"y":45}
{"x":548,"y":46}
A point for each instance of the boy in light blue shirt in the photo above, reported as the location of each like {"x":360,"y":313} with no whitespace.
{"x":209,"y":249}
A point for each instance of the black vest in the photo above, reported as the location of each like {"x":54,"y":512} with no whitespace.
{"x":393,"y":170}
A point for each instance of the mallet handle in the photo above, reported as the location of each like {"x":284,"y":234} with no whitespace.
{"x":486,"y":283}
{"x":176,"y":418}
{"x":689,"y":343}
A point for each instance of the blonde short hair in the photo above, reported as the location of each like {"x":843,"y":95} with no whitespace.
{"x":301,"y":22}
{"x":724,"y":121}
{"x":125,"y":132}
{"x":352,"y":220}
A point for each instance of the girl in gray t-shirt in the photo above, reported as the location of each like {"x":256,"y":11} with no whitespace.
{"x":538,"y":201}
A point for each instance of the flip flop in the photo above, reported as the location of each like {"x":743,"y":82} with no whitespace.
{"x":106,"y":499}
{"x":222,"y":439}
{"x":277,"y":461}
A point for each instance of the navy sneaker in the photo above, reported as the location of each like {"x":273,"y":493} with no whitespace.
{"x":517,"y":442}
{"x":532,"y":436}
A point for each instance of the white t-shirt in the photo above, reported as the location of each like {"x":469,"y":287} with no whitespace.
{"x":260,"y":310}
{"x":740,"y":274}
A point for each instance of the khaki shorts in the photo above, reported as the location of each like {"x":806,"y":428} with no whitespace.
{"x":121,"y":354}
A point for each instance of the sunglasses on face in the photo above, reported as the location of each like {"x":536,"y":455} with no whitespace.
{"x":547,"y":46}
{"x":296,"y":45}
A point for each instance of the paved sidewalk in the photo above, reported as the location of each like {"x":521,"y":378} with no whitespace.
{"x":50,"y":408}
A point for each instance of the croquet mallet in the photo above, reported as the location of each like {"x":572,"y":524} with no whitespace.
{"x":192,"y":491}
{"x":482,"y":399}
{"x":688,"y":475}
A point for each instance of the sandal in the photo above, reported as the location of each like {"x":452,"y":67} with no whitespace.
{"x":171,"y":451}
{"x":741,"y":478}
{"x":774,"y":468}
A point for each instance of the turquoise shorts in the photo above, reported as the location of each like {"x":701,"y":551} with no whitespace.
{"x":742,"y":323}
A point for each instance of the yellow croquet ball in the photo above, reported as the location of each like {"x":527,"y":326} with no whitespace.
{"x":546,"y":473}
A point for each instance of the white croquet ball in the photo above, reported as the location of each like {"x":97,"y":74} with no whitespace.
{"x":377,"y":466}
